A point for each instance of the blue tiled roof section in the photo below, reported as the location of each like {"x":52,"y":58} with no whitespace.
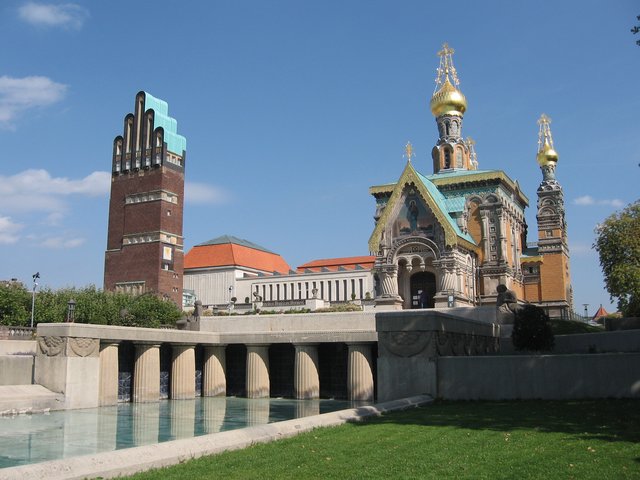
{"x":224,"y":239}
{"x":458,"y":173}
{"x":175,"y":143}
{"x":443,"y":205}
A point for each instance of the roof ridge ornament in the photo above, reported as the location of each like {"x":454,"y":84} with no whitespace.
{"x":408,"y":149}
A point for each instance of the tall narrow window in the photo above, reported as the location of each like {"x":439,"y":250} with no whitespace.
{"x":361,"y":289}
{"x":337,"y":290}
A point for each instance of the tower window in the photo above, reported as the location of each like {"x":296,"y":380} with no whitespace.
{"x":447,"y":158}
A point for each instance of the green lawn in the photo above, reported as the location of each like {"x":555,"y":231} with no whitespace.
{"x":510,"y":440}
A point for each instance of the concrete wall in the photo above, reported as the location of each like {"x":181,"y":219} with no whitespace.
{"x":16,"y":369}
{"x":308,"y":322}
{"x":522,"y":377}
{"x":618,"y":341}
{"x":410,"y":341}
{"x":12,"y":347}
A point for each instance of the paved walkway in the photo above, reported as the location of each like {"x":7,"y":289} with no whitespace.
{"x":17,"y":399}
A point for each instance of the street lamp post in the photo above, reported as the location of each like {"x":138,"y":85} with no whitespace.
{"x":71,"y":309}
{"x":33,"y":295}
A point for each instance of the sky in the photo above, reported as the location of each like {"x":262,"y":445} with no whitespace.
{"x":293,"y":109}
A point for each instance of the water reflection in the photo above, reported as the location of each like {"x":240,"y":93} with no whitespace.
{"x":37,"y":438}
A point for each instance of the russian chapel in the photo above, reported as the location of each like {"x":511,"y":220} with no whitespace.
{"x":450,"y":238}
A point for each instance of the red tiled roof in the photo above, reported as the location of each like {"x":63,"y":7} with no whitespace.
{"x":333,"y":264}
{"x":600,"y":313}
{"x":230,"y":254}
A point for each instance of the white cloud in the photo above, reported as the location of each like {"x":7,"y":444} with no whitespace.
{"x":9,"y":231}
{"x":20,"y":94}
{"x":36,"y":190}
{"x":61,"y":242}
{"x":201,"y":193}
{"x":66,"y":15}
{"x":588,"y":200}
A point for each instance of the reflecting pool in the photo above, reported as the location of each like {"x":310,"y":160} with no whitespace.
{"x":37,"y":438}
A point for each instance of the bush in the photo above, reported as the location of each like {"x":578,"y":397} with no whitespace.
{"x":532,"y":329}
{"x":92,"y":306}
{"x":15,"y":305}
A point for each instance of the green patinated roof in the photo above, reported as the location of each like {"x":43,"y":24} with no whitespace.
{"x":224,"y":239}
{"x":175,"y":143}
{"x":445,"y":206}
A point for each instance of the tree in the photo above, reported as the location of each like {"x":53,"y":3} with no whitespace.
{"x":532,"y":329}
{"x":618,"y":244}
{"x":15,"y":304}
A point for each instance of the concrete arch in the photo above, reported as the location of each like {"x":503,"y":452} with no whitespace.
{"x":396,"y":250}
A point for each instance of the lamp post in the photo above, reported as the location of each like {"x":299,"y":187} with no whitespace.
{"x":71,"y":308}
{"x":33,"y":295}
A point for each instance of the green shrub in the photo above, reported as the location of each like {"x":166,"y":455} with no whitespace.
{"x":532,"y":329}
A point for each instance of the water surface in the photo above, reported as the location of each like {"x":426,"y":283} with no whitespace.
{"x":26,"y":439}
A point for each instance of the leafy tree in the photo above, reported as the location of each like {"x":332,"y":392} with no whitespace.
{"x":618,"y":244}
{"x":15,"y":304}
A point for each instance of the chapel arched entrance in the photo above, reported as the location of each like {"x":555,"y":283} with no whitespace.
{"x":423,"y":290}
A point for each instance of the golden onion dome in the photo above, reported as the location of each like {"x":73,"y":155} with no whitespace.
{"x":448,"y":100}
{"x":547,"y":155}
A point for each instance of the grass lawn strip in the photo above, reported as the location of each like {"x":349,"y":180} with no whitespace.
{"x":492,"y":440}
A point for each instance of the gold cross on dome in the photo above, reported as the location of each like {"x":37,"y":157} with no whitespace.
{"x":408,"y":148}
{"x":446,"y":50}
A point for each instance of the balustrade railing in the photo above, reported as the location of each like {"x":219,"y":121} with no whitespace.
{"x":16,"y":333}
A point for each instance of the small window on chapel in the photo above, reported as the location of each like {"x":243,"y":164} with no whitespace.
{"x":548,"y":233}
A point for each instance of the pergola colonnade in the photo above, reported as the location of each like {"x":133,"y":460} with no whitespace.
{"x":147,"y":362}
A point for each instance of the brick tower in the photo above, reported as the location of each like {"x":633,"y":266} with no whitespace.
{"x":555,"y":280}
{"x":144,"y":240}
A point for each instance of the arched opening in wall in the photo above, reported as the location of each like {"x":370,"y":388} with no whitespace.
{"x":166,"y":355}
{"x":332,"y":366}
{"x":423,"y":289}
{"x":281,"y":369}
{"x":236,"y":363}
{"x":126,"y":360}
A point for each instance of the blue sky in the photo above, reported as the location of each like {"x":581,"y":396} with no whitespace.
{"x":292,"y":109}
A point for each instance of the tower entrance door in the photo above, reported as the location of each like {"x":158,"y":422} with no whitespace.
{"x":423,"y":289}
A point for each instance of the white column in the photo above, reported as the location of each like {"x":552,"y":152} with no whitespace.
{"x":306,"y":378}
{"x":146,"y":373}
{"x":183,"y":372}
{"x":258,"y":371}
{"x":360,"y":375}
{"x":214,"y":377}
{"x":108,"y":387}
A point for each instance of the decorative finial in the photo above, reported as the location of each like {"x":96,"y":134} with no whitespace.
{"x":408,"y":149}
{"x":446,"y":70}
{"x":544,"y":134}
{"x":473,"y":156}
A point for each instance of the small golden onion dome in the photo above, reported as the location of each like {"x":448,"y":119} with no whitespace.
{"x":547,"y":155}
{"x":448,"y":101}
